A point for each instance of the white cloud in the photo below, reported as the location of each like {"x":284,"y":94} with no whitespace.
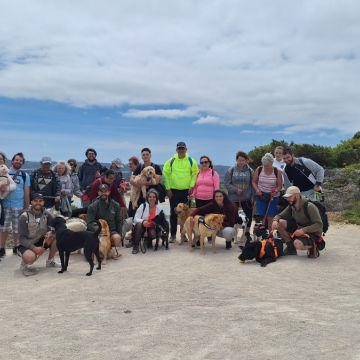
{"x":260,"y":63}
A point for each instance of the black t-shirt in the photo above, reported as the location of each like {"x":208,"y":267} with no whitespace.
{"x":298,"y":178}
{"x":141,"y":167}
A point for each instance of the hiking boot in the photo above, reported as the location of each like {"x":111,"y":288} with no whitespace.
{"x":290,"y":249}
{"x":2,"y":252}
{"x":313,"y":252}
{"x":15,"y":250}
{"x":51,"y":263}
{"x":26,"y":270}
{"x":172,"y":239}
{"x":228,"y":245}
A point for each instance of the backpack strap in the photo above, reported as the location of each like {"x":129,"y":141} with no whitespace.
{"x":173,"y":159}
{"x":306,"y":211}
{"x":260,"y":168}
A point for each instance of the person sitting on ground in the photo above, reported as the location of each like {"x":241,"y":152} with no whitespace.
{"x":74,"y":178}
{"x":34,"y":226}
{"x":109,"y":179}
{"x":207,"y":181}
{"x":44,"y":181}
{"x":221,"y":205}
{"x":267,"y":183}
{"x":238,"y":182}
{"x":304,"y":173}
{"x":66,"y":187}
{"x":143,"y":219}
{"x":108,"y":209}
{"x":297,"y":229}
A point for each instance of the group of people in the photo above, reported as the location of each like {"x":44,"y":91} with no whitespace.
{"x":258,"y":193}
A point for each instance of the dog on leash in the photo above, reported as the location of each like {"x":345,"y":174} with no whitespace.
{"x":68,"y":241}
{"x":264,"y":251}
{"x":163,"y":228}
{"x":203,"y":227}
{"x":106,"y":247}
{"x":183,"y":211}
{"x":147,"y":174}
{"x":241,"y":223}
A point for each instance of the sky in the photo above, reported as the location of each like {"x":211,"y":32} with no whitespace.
{"x":222,"y":76}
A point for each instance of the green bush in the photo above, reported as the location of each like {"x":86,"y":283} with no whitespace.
{"x":352,"y":213}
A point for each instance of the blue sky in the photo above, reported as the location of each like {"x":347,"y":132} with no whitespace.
{"x":219,"y":75}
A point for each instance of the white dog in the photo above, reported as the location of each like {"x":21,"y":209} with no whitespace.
{"x":147,"y":174}
{"x":7,"y":184}
{"x":241,"y":224}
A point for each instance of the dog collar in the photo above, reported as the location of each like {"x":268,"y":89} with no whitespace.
{"x":202,"y":221}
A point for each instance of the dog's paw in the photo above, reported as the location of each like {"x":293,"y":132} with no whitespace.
{"x":98,"y":268}
{"x":60,"y":271}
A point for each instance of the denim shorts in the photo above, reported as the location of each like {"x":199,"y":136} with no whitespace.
{"x":262,"y":205}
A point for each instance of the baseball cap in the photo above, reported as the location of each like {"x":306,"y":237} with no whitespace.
{"x":37,"y":196}
{"x":103,"y":187}
{"x":46,"y":160}
{"x":291,"y":190}
{"x":180,"y":144}
{"x":118,"y":163}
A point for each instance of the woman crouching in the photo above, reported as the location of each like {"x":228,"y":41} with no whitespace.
{"x":221,"y":205}
{"x":143,"y":219}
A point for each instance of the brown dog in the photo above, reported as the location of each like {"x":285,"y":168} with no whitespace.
{"x":203,"y":227}
{"x":105,"y":246}
{"x":183,"y":212}
{"x":147,"y":174}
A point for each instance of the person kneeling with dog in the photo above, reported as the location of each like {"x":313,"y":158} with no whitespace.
{"x":143,"y":219}
{"x":34,"y":227}
{"x":298,"y":230}
{"x":221,"y":205}
{"x":108,"y":209}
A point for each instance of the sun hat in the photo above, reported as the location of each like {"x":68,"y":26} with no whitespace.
{"x":291,"y":190}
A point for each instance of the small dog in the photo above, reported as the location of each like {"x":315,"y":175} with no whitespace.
{"x":68,"y":241}
{"x":4,"y":180}
{"x":260,"y":232}
{"x":241,"y":223}
{"x":203,"y":227}
{"x":105,"y":248}
{"x":163,"y":227}
{"x":183,"y":212}
{"x":147,"y":174}
{"x":265,"y":251}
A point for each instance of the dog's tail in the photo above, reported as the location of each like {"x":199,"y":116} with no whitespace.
{"x":94,"y":226}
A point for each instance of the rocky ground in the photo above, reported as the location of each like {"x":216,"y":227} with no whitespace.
{"x":177,"y":304}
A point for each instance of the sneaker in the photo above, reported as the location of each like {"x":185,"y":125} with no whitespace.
{"x":313,"y":252}
{"x":26,"y":270}
{"x":2,"y":252}
{"x":290,"y":249}
{"x":228,"y":245}
{"x":51,"y":263}
{"x":172,"y":239}
{"x":15,"y":250}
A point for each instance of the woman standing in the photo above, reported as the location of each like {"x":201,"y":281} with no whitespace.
{"x":207,"y":182}
{"x":238,"y":182}
{"x":74,"y":177}
{"x":220,"y":204}
{"x":267,"y":183}
{"x":66,"y":187}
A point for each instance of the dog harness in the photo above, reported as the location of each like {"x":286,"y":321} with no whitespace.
{"x":263,"y":244}
{"x":202,"y":221}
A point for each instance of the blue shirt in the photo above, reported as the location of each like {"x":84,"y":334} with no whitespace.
{"x":16,"y":198}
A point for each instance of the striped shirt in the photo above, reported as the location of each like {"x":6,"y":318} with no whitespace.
{"x":267,"y":183}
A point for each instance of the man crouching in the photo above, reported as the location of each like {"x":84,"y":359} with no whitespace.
{"x":34,"y":227}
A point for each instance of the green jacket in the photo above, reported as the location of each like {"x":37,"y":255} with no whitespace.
{"x":179,"y":174}
{"x":313,"y":225}
{"x":109,"y":211}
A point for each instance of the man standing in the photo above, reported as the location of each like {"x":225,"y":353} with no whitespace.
{"x":44,"y":181}
{"x":298,"y":227}
{"x":179,"y":177}
{"x":108,"y":209}
{"x":15,"y":203}
{"x":88,"y":171}
{"x":304,"y":173}
{"x":34,"y":227}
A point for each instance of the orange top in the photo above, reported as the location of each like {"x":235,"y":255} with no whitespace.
{"x":151,"y":216}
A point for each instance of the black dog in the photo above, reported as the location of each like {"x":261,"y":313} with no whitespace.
{"x":264,"y":251}
{"x":68,"y":241}
{"x":162,"y":230}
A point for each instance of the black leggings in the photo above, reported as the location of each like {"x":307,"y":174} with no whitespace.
{"x":138,"y":233}
{"x":178,"y":196}
{"x":247,"y":207}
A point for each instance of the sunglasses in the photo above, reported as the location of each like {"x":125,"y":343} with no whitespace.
{"x":204,"y":162}
{"x":181,"y":148}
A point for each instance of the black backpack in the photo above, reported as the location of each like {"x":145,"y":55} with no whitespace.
{"x":322,"y":211}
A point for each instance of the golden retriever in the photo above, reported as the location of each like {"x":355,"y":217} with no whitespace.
{"x":147,"y":174}
{"x":203,"y":227}
{"x":105,"y":247}
{"x":5,"y":181}
{"x":183,"y":212}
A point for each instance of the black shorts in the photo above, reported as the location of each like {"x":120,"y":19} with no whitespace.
{"x":21,"y":249}
{"x":292,"y":226}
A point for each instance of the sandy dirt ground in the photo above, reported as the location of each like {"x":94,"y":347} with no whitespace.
{"x":177,"y":304}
